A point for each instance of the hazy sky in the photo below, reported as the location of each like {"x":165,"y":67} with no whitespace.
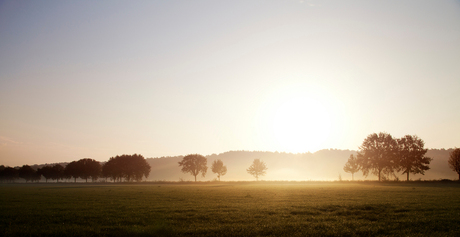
{"x":162,"y":78}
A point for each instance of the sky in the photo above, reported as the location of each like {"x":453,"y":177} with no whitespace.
{"x":96,"y":79}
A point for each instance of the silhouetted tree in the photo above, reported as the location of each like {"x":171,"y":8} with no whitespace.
{"x":411,"y":155}
{"x":130,"y":167}
{"x":351,"y":166}
{"x":378,"y":153}
{"x":74,"y":170}
{"x":90,"y":169}
{"x":454,"y":161}
{"x":46,"y":172}
{"x":9,"y":174}
{"x":219,"y":168}
{"x":57,"y":172}
{"x":258,"y":168}
{"x":110,"y":170}
{"x":194,"y":164}
{"x":27,"y":173}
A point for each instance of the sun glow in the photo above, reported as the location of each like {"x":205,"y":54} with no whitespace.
{"x":301,"y":124}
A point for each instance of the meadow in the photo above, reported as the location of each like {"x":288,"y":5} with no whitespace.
{"x":231,"y":209}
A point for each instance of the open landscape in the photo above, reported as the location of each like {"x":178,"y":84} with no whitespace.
{"x":365,"y":208}
{"x":230,"y":118}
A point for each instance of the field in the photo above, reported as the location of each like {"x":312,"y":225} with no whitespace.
{"x":231,"y":209}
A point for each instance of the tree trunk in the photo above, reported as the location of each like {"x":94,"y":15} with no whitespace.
{"x":407,"y":176}
{"x":352,"y":177}
{"x":195,"y":178}
{"x":87,"y":179}
{"x":379,"y":174}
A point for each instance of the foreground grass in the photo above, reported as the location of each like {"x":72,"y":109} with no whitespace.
{"x":231,"y":209}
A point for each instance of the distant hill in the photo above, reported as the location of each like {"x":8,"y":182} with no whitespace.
{"x":321,"y":165}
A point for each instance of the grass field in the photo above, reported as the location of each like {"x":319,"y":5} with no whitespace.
{"x":232,"y":209}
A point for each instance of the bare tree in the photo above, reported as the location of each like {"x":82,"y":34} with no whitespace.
{"x":351,"y":166}
{"x":378,"y":154}
{"x":194,"y":164}
{"x":454,"y":161}
{"x":258,"y":168}
{"x":411,"y":155}
{"x":219,"y":168}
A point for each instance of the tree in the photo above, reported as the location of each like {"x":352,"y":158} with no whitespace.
{"x":378,"y":153}
{"x":351,"y":166}
{"x":194,"y":164}
{"x":135,"y":167}
{"x":219,"y":168}
{"x":130,"y":167}
{"x":57,"y":172}
{"x":27,"y":173}
{"x":89,"y":169}
{"x":73,"y":169}
{"x":9,"y":174}
{"x":258,"y":168}
{"x":454,"y":161}
{"x":109,"y":170}
{"x":411,"y":155}
{"x":46,"y":172}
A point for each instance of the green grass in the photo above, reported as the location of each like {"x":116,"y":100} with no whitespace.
{"x":231,"y":209}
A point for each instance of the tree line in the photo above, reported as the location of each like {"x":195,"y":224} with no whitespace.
{"x":383,"y":155}
{"x":118,"y":168}
{"x":380,"y":154}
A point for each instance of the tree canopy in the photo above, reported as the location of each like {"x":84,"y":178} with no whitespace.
{"x":27,"y":173}
{"x":8,"y":174}
{"x":351,"y":166}
{"x":411,"y":155}
{"x":73,"y":169}
{"x":258,"y":168}
{"x":454,"y":161}
{"x":194,"y":164}
{"x":89,"y":168}
{"x":377,"y":154}
{"x":129,"y":167}
{"x":219,"y":168}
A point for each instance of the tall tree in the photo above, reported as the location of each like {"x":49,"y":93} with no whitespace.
{"x":46,"y":171}
{"x":90,"y":169}
{"x":57,"y":172}
{"x":258,"y":168}
{"x":27,"y":173}
{"x":109,"y":170}
{"x":219,"y":168}
{"x":73,"y":169}
{"x":378,"y":154}
{"x":351,"y":166}
{"x":411,"y":155}
{"x":9,"y":174}
{"x":130,"y":167}
{"x":454,"y":161}
{"x":194,"y":164}
{"x":136,"y":167}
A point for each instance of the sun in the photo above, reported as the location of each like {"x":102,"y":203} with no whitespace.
{"x":301,"y":124}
